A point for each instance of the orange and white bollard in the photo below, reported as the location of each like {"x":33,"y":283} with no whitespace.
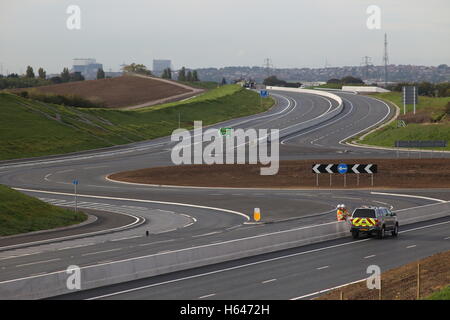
{"x":256,"y":214}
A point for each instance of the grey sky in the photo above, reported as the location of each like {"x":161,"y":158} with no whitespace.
{"x":204,"y":33}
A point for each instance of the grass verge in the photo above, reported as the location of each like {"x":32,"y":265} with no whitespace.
{"x":444,"y":294}
{"x":401,"y":283}
{"x":31,"y":128}
{"x":432,"y":123}
{"x":20,"y":213}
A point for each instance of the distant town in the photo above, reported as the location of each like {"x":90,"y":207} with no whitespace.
{"x":369,"y":73}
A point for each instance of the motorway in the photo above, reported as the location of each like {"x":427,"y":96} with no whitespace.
{"x":297,"y":273}
{"x":177,"y":217}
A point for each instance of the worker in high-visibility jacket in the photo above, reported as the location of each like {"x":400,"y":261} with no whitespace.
{"x":341,"y":213}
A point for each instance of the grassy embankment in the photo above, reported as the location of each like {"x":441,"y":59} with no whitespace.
{"x":31,"y":128}
{"x":430,"y":122}
{"x":20,"y":213}
{"x":444,"y":294}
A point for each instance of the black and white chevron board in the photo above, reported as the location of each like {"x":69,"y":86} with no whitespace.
{"x":345,"y":168}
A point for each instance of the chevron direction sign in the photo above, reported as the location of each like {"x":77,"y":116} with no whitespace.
{"x":345,"y":168}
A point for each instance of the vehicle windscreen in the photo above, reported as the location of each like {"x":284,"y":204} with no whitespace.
{"x":364,"y":213}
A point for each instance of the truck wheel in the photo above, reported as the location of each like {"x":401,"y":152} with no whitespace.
{"x":355,"y":234}
{"x":381,"y":233}
{"x":395,"y":231}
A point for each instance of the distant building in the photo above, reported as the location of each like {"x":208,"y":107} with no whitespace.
{"x":160,"y":65}
{"x":87,"y":67}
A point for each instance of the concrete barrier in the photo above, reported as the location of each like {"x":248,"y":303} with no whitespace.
{"x":312,"y":122}
{"x":52,"y":284}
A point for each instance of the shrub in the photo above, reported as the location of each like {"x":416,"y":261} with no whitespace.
{"x":67,"y":100}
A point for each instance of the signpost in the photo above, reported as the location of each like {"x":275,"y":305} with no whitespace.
{"x":410,"y":96}
{"x":343,"y":168}
{"x":75,"y":183}
{"x":263,"y":94}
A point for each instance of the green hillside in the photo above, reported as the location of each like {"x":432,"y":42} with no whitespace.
{"x":20,"y":213}
{"x":32,"y":128}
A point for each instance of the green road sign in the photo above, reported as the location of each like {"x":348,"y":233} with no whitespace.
{"x":225,"y":131}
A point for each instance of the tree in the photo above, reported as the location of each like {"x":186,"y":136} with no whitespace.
{"x":30,"y":72}
{"x":56,"y":80}
{"x":182,"y":74}
{"x":65,"y":75}
{"x":167,"y":74}
{"x":42,"y":74}
{"x":189,"y":76}
{"x":334,"y":80}
{"x":195,"y":76}
{"x":137,"y":68}
{"x":224,"y":81}
{"x":351,"y":80}
{"x":274,"y":81}
{"x":76,"y":76}
{"x":100,"y":74}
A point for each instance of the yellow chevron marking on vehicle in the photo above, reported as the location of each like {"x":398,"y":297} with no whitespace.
{"x":363,"y":222}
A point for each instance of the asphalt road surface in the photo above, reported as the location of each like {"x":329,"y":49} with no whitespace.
{"x":181,"y":217}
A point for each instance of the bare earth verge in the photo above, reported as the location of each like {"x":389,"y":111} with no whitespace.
{"x":401,"y":283}
{"x":124,"y":91}
{"x":392,"y":173}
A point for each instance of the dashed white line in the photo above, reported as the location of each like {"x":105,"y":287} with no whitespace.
{"x":411,"y":246}
{"x":371,"y":256}
{"x":22,"y":255}
{"x":206,"y":234}
{"x":126,"y":238}
{"x":207,"y":296}
{"x":270,"y":280}
{"x":157,"y":242}
{"x":78,"y":246}
{"x":98,"y":252}
{"x":170,"y":230}
{"x":37,"y":262}
{"x":324,"y":267}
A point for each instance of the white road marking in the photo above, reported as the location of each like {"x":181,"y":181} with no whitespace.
{"x":206,"y":234}
{"x":326,"y":290}
{"x":157,"y":242}
{"x":170,"y":230}
{"x":324,"y":267}
{"x":22,"y":255}
{"x":126,"y":238}
{"x":222,"y":270}
{"x":371,"y":256}
{"x":411,"y":246}
{"x":207,"y":296}
{"x":78,"y":246}
{"x":37,"y":262}
{"x":140,"y":200}
{"x":267,"y":281}
{"x":409,"y":196}
{"x":98,"y":252}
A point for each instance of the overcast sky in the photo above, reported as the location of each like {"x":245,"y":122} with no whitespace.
{"x":213,"y":33}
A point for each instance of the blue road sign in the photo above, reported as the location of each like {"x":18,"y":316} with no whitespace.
{"x":264,"y":93}
{"x":342,"y":168}
{"x":75,"y":182}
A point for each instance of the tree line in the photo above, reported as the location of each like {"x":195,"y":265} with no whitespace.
{"x":30,"y":79}
{"x":425,"y":88}
{"x":183,"y":75}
